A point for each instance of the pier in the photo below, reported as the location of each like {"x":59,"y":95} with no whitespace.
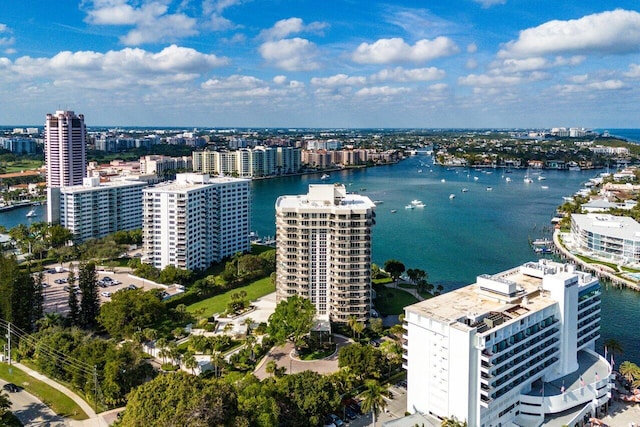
{"x":599,"y":270}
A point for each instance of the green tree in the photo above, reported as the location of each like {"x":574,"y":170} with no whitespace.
{"x":306,"y":397}
{"x":19,"y":298}
{"x":131,"y":310}
{"x":395,"y":268}
{"x":363,"y":361}
{"x":193,"y":402}
{"x":373,"y":399}
{"x":631,"y":372}
{"x":452,"y":422}
{"x":376,"y":325}
{"x":90,"y":301}
{"x":291,"y":320}
{"x":258,"y":401}
{"x":73,"y":316}
{"x":5,"y":403}
{"x":190,"y":362}
{"x":613,"y":347}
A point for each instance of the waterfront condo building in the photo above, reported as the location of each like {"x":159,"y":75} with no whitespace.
{"x":196,"y":220}
{"x":323,"y":251}
{"x":94,"y":209}
{"x":513,"y":349}
{"x":248,"y":162}
{"x":64,"y":155}
{"x":614,"y":238}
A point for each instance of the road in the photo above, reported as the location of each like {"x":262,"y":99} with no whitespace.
{"x":31,"y":411}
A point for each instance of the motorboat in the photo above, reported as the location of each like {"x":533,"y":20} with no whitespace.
{"x":419,"y":205}
{"x":410,"y":206}
{"x":507,"y":179}
{"x":443,"y":180}
{"x":541,"y":178}
{"x":415,"y":202}
{"x":544,"y":187}
{"x":325,"y":177}
{"x":452,"y":196}
{"x":464,"y":190}
{"x":489,"y":188}
{"x":394,"y":210}
{"x":527,"y":180}
{"x":378,"y":202}
{"x":475,"y":178}
{"x":32,"y":213}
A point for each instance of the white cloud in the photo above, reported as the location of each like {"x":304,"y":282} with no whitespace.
{"x":489,"y":3}
{"x":612,"y":32}
{"x":498,"y":80}
{"x":151,"y":21}
{"x":382,"y":91}
{"x":472,"y":48}
{"x":386,"y":51}
{"x":126,"y":68}
{"x":286,"y":27}
{"x":290,"y":54}
{"x":247,"y":87}
{"x":338,"y":80}
{"x":7,"y":39}
{"x":634,"y":71}
{"x":471,"y":64}
{"x":400,"y":74}
{"x":280,"y":80}
{"x":603,"y":85}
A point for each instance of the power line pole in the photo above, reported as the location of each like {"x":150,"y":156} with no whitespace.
{"x":95,"y":385}
{"x":9,"y":340}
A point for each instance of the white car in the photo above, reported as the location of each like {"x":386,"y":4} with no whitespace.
{"x":106,"y":294}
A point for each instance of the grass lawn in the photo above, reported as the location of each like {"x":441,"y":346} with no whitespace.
{"x":23,"y":165}
{"x":60,"y":403}
{"x":218,"y":303}
{"x":382,"y":281}
{"x":393,"y":301}
{"x":594,"y":261}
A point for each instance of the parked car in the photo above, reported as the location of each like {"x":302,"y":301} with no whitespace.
{"x":106,"y":294}
{"x":132,"y":287}
{"x":336,"y":420}
{"x":11,"y":387}
{"x":66,"y":289}
{"x":350,"y":413}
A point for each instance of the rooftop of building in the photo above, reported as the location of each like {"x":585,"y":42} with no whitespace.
{"x":95,"y":184}
{"x":500,"y":298}
{"x":621,"y":227}
{"x":191,"y":181}
{"x":322,"y":196}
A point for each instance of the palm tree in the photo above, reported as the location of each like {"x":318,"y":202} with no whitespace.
{"x":271,"y":367}
{"x":631,"y":372}
{"x":50,"y":320}
{"x":373,"y":398}
{"x":614,"y":347}
{"x":358,"y":328}
{"x":190,"y":362}
{"x":218,"y":362}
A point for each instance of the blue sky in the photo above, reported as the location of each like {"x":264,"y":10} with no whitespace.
{"x":331,"y":63}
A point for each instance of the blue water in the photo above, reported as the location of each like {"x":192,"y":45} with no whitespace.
{"x":10,"y":219}
{"x":631,"y":135}
{"x":454,"y":240}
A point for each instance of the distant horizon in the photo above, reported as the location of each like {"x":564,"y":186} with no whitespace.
{"x":352,"y":64}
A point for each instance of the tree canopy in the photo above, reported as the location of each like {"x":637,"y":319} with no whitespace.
{"x":130,"y":311}
{"x":292,"y":319}
{"x":394,"y":267}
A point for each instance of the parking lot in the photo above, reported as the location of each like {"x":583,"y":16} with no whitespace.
{"x":56,"y":295}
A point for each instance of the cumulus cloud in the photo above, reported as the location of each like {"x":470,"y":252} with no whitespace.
{"x":338,"y":80}
{"x":128,"y":67}
{"x":400,"y":74}
{"x":240,"y":86}
{"x":151,"y":21}
{"x":5,"y":36}
{"x":634,"y":71}
{"x":602,"y":85}
{"x":387,"y":51}
{"x":499,"y":80}
{"x":612,"y":32}
{"x":382,"y":91}
{"x":286,"y":27}
{"x":213,"y":9}
{"x":290,"y":54}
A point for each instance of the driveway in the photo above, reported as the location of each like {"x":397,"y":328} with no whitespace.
{"x":31,"y":411}
{"x":282,"y":356}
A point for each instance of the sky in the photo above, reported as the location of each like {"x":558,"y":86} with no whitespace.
{"x":323,"y":63}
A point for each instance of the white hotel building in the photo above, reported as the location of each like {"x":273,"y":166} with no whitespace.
{"x":323,"y":242}
{"x":196,"y":220}
{"x":513,"y":349}
{"x":248,"y":162}
{"x":94,"y":209}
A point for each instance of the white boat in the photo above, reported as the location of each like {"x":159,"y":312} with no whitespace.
{"x":542,"y":178}
{"x":489,"y":188}
{"x":464,"y":190}
{"x":527,"y":180}
{"x":378,"y":202}
{"x":507,"y":179}
{"x":325,"y":176}
{"x":409,"y":206}
{"x":475,"y":178}
{"x":544,"y":187}
{"x":419,"y":170}
{"x":452,"y":196}
{"x":415,"y":202}
{"x":419,"y":205}
{"x":31,"y":213}
{"x":393,"y":211}
{"x":443,"y":180}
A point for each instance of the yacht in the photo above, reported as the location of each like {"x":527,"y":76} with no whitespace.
{"x":393,"y":211}
{"x":489,"y":188}
{"x":507,"y":179}
{"x":415,"y":202}
{"x":475,"y":178}
{"x":527,"y":180}
{"x":410,"y":206}
{"x":31,"y":213}
{"x":325,"y":177}
{"x":544,"y":187}
{"x":452,"y":196}
{"x":542,"y":178}
{"x":464,"y":190}
{"x":443,"y":180}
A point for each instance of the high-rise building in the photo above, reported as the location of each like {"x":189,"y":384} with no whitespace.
{"x":514,"y":348}
{"x":196,"y":220}
{"x":248,"y":162}
{"x":95,"y":209}
{"x":64,"y":155}
{"x":323,"y":246}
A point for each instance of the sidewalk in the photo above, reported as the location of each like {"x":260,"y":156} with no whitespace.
{"x":93,"y":421}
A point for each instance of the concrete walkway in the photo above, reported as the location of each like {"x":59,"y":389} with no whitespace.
{"x":94,"y":420}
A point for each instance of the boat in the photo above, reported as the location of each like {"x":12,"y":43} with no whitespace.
{"x":452,"y":196}
{"x":475,"y":178}
{"x":419,"y":170}
{"x":31,"y":213}
{"x":507,"y":179}
{"x":419,"y":205}
{"x":542,"y":178}
{"x":541,"y":242}
{"x":544,"y":187}
{"x":443,"y":180}
{"x":325,"y":176}
{"x":378,"y":202}
{"x":394,"y":210}
{"x":527,"y":180}
{"x":464,"y":190}
{"x":415,"y":202}
{"x":410,"y":206}
{"x":542,"y":250}
{"x":489,"y":188}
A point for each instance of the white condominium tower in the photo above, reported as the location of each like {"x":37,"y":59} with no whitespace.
{"x":64,"y":155}
{"x":513,"y":349}
{"x":196,"y":220}
{"x":95,"y":209}
{"x":323,"y":242}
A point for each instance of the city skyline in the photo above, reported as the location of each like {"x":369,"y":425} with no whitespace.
{"x":236,"y":63}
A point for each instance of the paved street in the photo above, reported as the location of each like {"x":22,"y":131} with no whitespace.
{"x":31,"y":411}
